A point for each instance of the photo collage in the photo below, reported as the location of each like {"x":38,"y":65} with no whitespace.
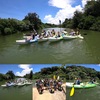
{"x":49,"y":50}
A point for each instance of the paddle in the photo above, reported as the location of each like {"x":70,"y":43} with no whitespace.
{"x":72,"y":91}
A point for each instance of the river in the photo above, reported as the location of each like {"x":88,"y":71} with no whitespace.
{"x":76,"y":51}
{"x":16,"y":92}
{"x":84,"y":94}
{"x":25,"y":93}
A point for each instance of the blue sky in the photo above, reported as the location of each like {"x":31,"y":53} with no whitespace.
{"x":22,"y":69}
{"x":50,"y":11}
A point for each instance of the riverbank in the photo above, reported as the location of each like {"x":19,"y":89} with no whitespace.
{"x":58,"y":95}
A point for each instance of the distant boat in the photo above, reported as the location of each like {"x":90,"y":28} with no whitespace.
{"x":8,"y":84}
{"x":20,"y":84}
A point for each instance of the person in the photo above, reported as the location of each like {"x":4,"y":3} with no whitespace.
{"x":44,"y":33}
{"x":77,"y":82}
{"x":92,"y":81}
{"x":77,"y":31}
{"x":72,"y":32}
{"x":58,"y":34}
{"x":33,"y":35}
{"x":53,"y":32}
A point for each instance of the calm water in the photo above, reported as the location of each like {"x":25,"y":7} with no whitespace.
{"x":84,"y":94}
{"x":73,"y":51}
{"x":16,"y":93}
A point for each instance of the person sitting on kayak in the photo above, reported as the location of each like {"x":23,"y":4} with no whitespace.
{"x":53,"y":32}
{"x":58,"y":34}
{"x":92,"y":81}
{"x":77,"y":32}
{"x":78,"y":81}
{"x":72,"y":32}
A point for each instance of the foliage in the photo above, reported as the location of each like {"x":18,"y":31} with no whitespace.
{"x":88,"y":19}
{"x":67,"y":72}
{"x":30,"y":75}
{"x":7,"y":31}
{"x":9,"y":75}
{"x":10,"y":25}
{"x":34,"y":20}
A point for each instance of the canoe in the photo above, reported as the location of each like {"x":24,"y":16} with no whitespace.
{"x":28,"y":83}
{"x":8,"y":85}
{"x":79,"y":36}
{"x":72,"y":37}
{"x":27,"y":37}
{"x":24,"y":41}
{"x":54,"y":39}
{"x":20,"y":84}
{"x":42,"y":39}
{"x":82,"y":85}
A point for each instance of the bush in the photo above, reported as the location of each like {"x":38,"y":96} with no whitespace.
{"x":7,"y":31}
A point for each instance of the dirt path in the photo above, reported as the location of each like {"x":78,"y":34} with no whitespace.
{"x":58,"y":95}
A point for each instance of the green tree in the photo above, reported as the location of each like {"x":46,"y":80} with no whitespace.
{"x":76,"y":19}
{"x":31,"y":75}
{"x":7,"y":31}
{"x":10,"y":74}
{"x":35,"y":22}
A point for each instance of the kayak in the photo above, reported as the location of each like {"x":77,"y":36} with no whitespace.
{"x":42,"y":39}
{"x":28,"y":83}
{"x":8,"y":85}
{"x":27,"y":37}
{"x":24,"y":41}
{"x":20,"y":84}
{"x":72,"y":37}
{"x":54,"y":39}
{"x":82,"y":85}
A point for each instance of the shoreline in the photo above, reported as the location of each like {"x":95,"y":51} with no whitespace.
{"x":57,"y":95}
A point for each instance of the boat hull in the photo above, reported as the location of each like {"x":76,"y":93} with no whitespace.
{"x":25,"y":41}
{"x":81,"y":85}
{"x":42,"y":40}
{"x":54,"y":39}
{"x":72,"y":37}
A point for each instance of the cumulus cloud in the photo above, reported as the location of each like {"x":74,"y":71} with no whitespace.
{"x":25,"y":69}
{"x":98,"y":64}
{"x":60,"y":3}
{"x":84,"y":2}
{"x":66,"y":10}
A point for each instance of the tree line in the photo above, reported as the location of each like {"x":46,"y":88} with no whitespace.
{"x":11,"y":26}
{"x":30,"y":22}
{"x":11,"y":76}
{"x":89,"y":19}
{"x":67,"y":72}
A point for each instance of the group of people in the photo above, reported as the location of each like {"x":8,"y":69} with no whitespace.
{"x":49,"y":34}
{"x":48,"y":84}
{"x":72,"y":32}
{"x":46,"y":34}
{"x":78,"y":81}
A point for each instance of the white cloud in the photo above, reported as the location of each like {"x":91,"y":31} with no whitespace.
{"x":84,"y":2}
{"x":60,"y":3}
{"x":66,"y":10}
{"x":26,"y":69}
{"x":98,"y":64}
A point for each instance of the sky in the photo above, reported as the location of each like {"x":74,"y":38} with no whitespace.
{"x":49,"y":11}
{"x":23,"y":69}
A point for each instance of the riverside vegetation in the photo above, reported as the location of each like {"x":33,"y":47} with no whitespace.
{"x":89,"y":19}
{"x":67,"y":72}
{"x":11,"y":76}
